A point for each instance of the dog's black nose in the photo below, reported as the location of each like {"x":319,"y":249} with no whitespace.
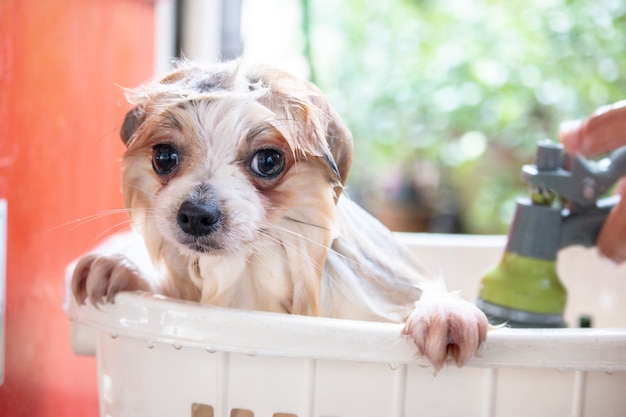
{"x":199,"y":218}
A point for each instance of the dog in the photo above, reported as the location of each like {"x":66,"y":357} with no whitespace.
{"x":234,"y":174}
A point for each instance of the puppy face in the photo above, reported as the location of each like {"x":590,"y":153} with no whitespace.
{"x":219,"y":158}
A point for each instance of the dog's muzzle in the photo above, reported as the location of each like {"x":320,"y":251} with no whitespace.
{"x":199,"y":217}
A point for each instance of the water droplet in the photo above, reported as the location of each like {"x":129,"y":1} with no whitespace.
{"x":394,"y":366}
{"x":151,"y":344}
{"x":113,"y":335}
{"x":252,"y":354}
{"x":210,"y":349}
{"x":610,"y":373}
{"x":177,"y":346}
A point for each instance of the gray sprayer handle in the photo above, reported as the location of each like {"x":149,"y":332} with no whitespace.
{"x":582,"y":227}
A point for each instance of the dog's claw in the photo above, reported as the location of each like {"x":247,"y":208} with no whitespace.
{"x":99,"y":277}
{"x":446,"y":327}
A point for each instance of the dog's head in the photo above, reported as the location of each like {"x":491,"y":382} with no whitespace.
{"x":219,"y":156}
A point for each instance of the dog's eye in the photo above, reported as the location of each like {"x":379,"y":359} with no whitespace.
{"x":267,"y":163}
{"x":165,"y":159}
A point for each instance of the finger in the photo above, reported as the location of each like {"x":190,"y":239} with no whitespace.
{"x":570,"y":135}
{"x":603,"y":132}
{"x":612,"y":239}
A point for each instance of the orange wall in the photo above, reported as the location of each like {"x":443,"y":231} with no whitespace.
{"x":61,"y":62}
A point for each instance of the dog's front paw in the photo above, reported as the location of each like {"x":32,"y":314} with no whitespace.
{"x":444,"y":326}
{"x":99,"y":277}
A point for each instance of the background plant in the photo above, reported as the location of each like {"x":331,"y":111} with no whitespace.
{"x":467,"y":87}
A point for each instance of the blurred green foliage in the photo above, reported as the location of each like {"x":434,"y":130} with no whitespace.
{"x":470,"y":85}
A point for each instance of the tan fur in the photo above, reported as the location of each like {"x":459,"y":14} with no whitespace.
{"x":291,"y":243}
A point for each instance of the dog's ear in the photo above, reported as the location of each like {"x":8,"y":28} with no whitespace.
{"x":338,"y":137}
{"x":133,"y":119}
{"x":304,"y":101}
{"x":339,"y":140}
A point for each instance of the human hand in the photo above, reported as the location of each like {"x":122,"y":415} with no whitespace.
{"x":602,"y":132}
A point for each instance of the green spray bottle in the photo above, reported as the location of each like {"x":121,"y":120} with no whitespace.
{"x":565,"y":208}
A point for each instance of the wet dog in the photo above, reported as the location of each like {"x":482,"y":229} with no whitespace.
{"x":234,"y":175}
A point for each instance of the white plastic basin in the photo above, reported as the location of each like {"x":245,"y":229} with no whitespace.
{"x":159,"y":357}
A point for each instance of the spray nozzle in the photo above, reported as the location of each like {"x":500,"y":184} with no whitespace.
{"x":578,"y":180}
{"x":565,"y":207}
